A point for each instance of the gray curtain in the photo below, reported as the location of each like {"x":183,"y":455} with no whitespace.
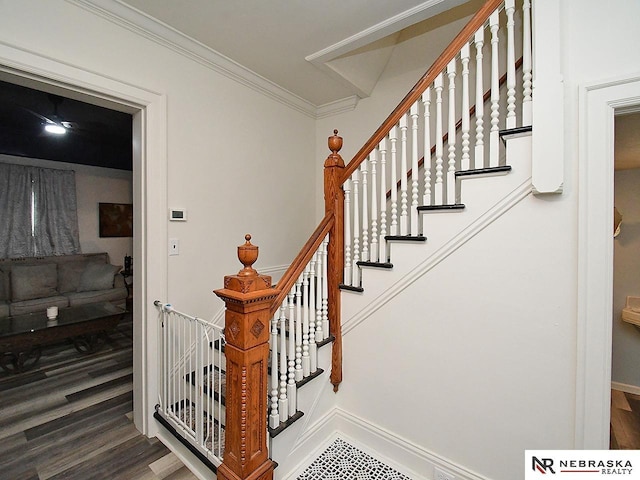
{"x":38,"y":212}
{"x":15,"y":211}
{"x":56,"y":212}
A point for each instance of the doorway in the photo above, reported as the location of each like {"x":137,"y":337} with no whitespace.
{"x":149,"y":188}
{"x":625,"y":378}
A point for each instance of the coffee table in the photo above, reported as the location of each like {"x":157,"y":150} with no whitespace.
{"x":22,"y":336}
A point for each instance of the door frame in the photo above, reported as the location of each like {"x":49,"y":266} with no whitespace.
{"x":598,"y":103}
{"x":149,"y":189}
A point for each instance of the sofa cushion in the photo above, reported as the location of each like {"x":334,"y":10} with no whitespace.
{"x":97,"y":296}
{"x":38,"y":305}
{"x":33,"y":281}
{"x":97,"y":276}
{"x":4,"y":309}
{"x":5,"y":293}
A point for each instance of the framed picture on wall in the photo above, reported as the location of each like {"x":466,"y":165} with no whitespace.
{"x":115,"y":219}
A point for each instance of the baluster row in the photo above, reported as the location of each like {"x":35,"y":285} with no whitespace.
{"x":381,"y":197}
{"x":301,"y":322}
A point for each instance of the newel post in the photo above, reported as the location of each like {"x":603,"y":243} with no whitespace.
{"x":248,"y":297}
{"x":334,"y":204}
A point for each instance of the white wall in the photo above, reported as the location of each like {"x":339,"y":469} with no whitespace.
{"x":479,"y":357}
{"x":93,"y":185}
{"x":236,"y":158}
{"x":626,"y":278}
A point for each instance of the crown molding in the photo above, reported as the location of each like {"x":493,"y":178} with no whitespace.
{"x":152,"y":29}
{"x":339,"y":106}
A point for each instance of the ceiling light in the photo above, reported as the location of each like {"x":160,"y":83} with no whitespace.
{"x":55,"y":129}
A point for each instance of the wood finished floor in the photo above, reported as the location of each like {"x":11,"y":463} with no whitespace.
{"x":625,"y":421}
{"x":71,"y":419}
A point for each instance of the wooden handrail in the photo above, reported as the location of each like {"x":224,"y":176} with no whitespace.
{"x":472,"y":112}
{"x":300,"y":262}
{"x":418,"y":89}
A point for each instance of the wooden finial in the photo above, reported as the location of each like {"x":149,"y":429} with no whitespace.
{"x":335,"y":142}
{"x":247,"y":254}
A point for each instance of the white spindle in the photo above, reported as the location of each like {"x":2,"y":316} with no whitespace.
{"x":464,"y":57}
{"x":355,"y":269}
{"x":414,"y":169}
{"x":313,"y":349}
{"x":451,"y":137}
{"x":306,"y":360}
{"x":439,"y":190}
{"x":527,"y":113}
{"x":291,"y":355}
{"x":325,"y":289}
{"x":298,"y":325}
{"x":510,"y":8}
{"x":283,"y":402}
{"x":478,"y":161}
{"x":426,"y":166}
{"x":274,"y":418}
{"x":373,"y":251}
{"x":495,"y":92}
{"x":364,"y":170}
{"x":347,"y":232}
{"x":393,"y":138}
{"x":319,"y":294}
{"x":383,"y":200}
{"x":404,"y":214}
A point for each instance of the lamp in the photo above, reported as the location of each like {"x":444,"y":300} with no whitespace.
{"x":55,"y":128}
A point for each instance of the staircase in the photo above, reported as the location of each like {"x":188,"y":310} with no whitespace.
{"x":434,"y":175}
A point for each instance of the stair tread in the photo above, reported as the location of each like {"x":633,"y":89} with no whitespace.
{"x":350,"y":288}
{"x":406,"y":238}
{"x":375,"y":264}
{"x":484,"y":171}
{"x":446,"y":207}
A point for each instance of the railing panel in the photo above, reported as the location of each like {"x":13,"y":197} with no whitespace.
{"x":193,"y":383}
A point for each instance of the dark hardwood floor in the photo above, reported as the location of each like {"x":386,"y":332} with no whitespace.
{"x":625,"y":421}
{"x":70,"y":418}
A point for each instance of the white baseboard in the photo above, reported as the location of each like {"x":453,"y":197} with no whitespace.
{"x":623,"y":387}
{"x":406,"y":457}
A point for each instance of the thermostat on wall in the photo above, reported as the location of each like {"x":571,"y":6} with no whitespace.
{"x":178,"y":214}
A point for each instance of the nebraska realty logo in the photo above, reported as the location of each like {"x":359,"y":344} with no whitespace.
{"x":567,"y":464}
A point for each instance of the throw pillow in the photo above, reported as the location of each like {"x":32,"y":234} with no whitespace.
{"x":69,"y":276}
{"x":97,"y":276}
{"x":33,"y":281}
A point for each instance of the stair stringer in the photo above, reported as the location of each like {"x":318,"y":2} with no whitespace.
{"x":485,"y":199}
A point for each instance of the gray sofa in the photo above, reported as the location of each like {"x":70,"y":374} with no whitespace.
{"x":30,"y":285}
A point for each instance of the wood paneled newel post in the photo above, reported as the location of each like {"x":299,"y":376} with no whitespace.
{"x":334,"y":204}
{"x":248,"y":297}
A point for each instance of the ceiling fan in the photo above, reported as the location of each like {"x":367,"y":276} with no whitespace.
{"x":55,"y":124}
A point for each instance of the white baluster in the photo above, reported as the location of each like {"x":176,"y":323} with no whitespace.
{"x":393,"y":138}
{"x":383,"y":200}
{"x":283,"y":403}
{"x":325,"y":289}
{"x":274,"y":418}
{"x":355,"y":269}
{"x":298,"y":325}
{"x":478,"y":161}
{"x":464,"y":56}
{"x":414,"y":169}
{"x":451,"y":138}
{"x":291,"y":355}
{"x":306,"y":361}
{"x":426,"y":101}
{"x":510,"y":8}
{"x":319,"y":295}
{"x":527,"y":113}
{"x":313,"y":349}
{"x":404,"y":214}
{"x":347,"y":232}
{"x":495,"y":92}
{"x":365,"y":211}
{"x":373,"y":251}
{"x":438,"y":188}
